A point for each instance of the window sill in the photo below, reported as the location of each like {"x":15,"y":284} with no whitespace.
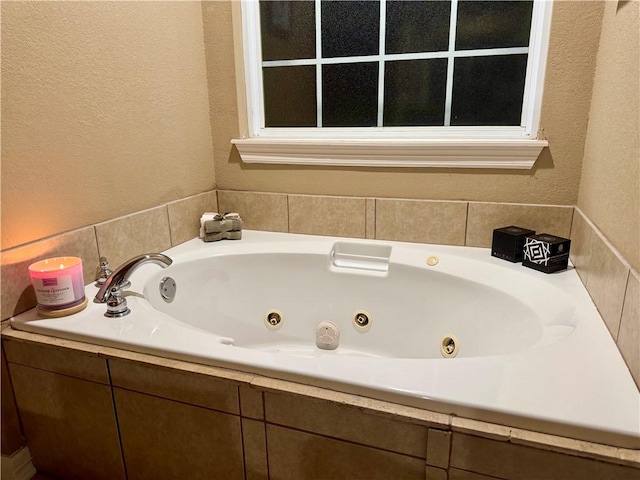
{"x":520,"y":153}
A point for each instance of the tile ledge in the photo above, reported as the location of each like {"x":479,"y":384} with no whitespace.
{"x":383,"y":408}
{"x":545,"y":441}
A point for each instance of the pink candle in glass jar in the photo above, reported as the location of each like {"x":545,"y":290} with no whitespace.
{"x":58,"y":282}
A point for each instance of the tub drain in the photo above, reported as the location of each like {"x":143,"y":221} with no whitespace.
{"x":449,"y":346}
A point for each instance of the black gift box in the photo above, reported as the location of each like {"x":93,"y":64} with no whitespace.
{"x":546,"y":253}
{"x":508,"y":243}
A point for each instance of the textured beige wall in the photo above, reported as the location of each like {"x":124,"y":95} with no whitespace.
{"x":554,"y":179}
{"x":104,"y":112}
{"x":610,"y":186}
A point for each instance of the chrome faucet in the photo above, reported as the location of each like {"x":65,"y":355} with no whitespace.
{"x":111,"y":291}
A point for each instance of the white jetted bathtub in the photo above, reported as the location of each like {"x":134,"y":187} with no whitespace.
{"x":449,"y":329}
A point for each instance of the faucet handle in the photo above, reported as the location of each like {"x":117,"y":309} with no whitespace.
{"x":117,"y":304}
{"x":103,"y":272}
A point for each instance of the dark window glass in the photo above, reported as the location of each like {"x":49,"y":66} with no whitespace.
{"x":290,"y":96}
{"x":350,"y":28}
{"x":350,"y":95}
{"x":492,"y":24}
{"x":488,"y":90}
{"x":288,"y":29}
{"x":414,"y":92}
{"x":417,"y":26}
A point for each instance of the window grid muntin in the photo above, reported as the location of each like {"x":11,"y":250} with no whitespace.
{"x":382,"y":50}
{"x":448,"y":99}
{"x":382,"y":57}
{"x":318,"y":6}
{"x":532,"y":105}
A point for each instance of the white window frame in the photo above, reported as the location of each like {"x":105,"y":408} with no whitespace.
{"x":458,"y":147}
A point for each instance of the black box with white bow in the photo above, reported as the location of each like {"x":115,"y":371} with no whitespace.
{"x":546,"y":253}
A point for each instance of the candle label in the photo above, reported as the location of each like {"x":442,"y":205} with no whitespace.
{"x":54,"y":291}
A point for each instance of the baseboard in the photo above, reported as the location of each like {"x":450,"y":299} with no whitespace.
{"x":18,"y":466}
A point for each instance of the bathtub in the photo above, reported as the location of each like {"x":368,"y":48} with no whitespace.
{"x":447,"y":329}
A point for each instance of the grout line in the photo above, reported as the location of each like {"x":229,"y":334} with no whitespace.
{"x":351,"y":442}
{"x":288,"y":216}
{"x":115,"y":414}
{"x":624,"y":301}
{"x":375,"y":218}
{"x":266,"y":448}
{"x":264,"y":425}
{"x":181,"y":402}
{"x":242,"y":445}
{"x":67,"y":375}
{"x":473,"y":474}
{"x":95,"y":234}
{"x":450,"y":439}
{"x":166,"y":211}
{"x":13,"y":397}
{"x":573,"y":216}
{"x":366,"y":219}
{"x":466,"y":226}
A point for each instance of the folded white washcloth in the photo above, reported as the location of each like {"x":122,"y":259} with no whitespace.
{"x":206,"y":216}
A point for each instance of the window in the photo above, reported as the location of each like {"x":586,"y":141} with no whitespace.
{"x":394,"y":82}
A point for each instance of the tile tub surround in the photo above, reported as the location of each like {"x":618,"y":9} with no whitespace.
{"x":613,"y":286}
{"x":300,"y":431}
{"x":407,"y":220}
{"x":119,"y":239}
{"x":440,"y":222}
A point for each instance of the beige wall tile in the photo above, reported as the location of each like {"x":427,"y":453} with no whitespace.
{"x":438,"y":448}
{"x":298,"y":455}
{"x":485,"y":217}
{"x":606,"y":282}
{"x":125,"y":237}
{"x":251,"y":402}
{"x":629,"y":337}
{"x":421,"y":221}
{"x":184,"y":215}
{"x":254,"y":441}
{"x":509,"y":461}
{"x":259,"y":211}
{"x":172,"y":440}
{"x":370,"y":214}
{"x":12,"y":438}
{"x":180,"y":385}
{"x":17,"y":292}
{"x":70,"y":425}
{"x":346,"y":422}
{"x":83,"y":365}
{"x":318,"y":215}
{"x":581,"y":239}
{"x":433,"y":473}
